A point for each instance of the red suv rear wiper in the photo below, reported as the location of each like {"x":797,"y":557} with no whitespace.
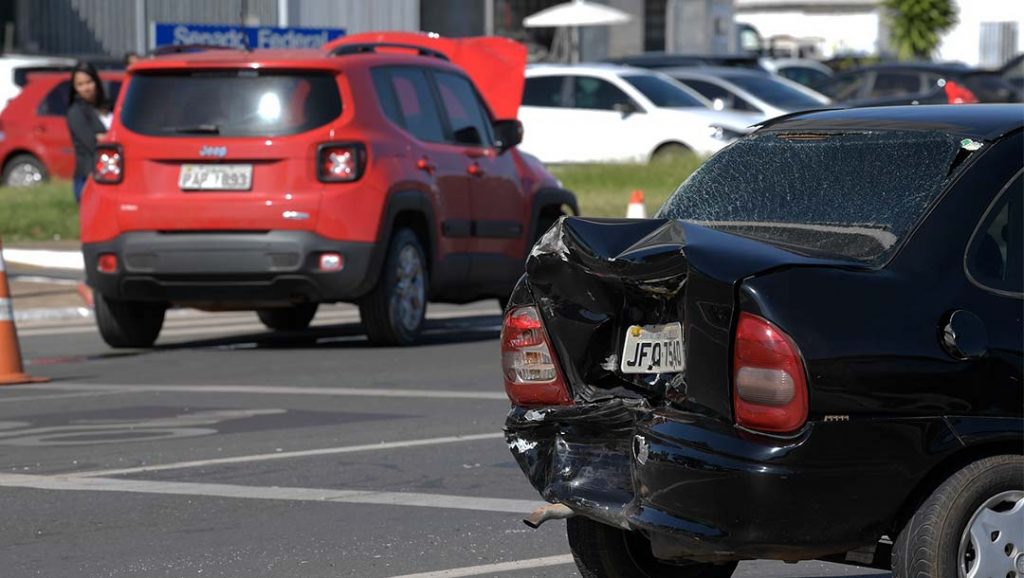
{"x":197,"y":129}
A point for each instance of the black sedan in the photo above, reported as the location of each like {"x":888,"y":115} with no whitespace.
{"x":925,"y":83}
{"x":813,"y":352}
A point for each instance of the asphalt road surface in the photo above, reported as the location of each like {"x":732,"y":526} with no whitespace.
{"x":231,"y":451}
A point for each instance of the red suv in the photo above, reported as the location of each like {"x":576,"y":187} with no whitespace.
{"x":34,"y":140}
{"x":277,"y":180}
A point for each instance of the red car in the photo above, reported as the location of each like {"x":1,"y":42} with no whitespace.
{"x":277,"y":180}
{"x":34,"y":141}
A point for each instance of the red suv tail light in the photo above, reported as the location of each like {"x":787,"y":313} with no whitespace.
{"x":340,"y":163}
{"x":958,"y":94}
{"x":532,"y":375}
{"x":109,"y":168}
{"x":769,"y":381}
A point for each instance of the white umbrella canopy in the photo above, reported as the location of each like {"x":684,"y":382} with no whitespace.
{"x":576,"y":13}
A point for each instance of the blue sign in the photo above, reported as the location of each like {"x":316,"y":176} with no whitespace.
{"x":164,"y":34}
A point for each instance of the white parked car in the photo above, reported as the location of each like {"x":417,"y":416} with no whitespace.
{"x":15,"y":68}
{"x":611,"y":113}
{"x":737,"y":89}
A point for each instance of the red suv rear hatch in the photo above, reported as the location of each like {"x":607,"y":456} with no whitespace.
{"x":224,"y":148}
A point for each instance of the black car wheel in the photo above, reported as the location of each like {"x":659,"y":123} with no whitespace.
{"x":24,"y":171}
{"x":294,"y":318}
{"x":393,"y":312}
{"x":602,"y":551}
{"x":672,"y":152}
{"x":128,"y":323}
{"x":971,"y":526}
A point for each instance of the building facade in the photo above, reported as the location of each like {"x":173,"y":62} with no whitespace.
{"x":111,"y":28}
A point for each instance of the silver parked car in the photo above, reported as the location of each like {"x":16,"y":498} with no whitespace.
{"x":748,"y":91}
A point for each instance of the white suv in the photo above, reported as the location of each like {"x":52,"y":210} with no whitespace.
{"x":611,"y":113}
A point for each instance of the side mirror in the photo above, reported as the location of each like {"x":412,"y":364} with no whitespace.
{"x":718,"y":104}
{"x":509,"y":133}
{"x":626,"y":108}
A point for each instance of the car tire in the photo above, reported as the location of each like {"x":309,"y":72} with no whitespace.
{"x":393,"y":312}
{"x":965,"y":522}
{"x":24,"y":170}
{"x":128,"y":323}
{"x":603,"y":551}
{"x":672,"y":151}
{"x":294,"y":318}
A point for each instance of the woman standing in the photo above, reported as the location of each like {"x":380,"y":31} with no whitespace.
{"x":89,"y":119}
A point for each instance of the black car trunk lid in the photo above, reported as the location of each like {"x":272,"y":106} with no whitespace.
{"x":595,"y":278}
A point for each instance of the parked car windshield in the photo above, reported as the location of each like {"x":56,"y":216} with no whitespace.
{"x":230,"y":103}
{"x":774,"y":92}
{"x":663,"y":93}
{"x":850,"y":195}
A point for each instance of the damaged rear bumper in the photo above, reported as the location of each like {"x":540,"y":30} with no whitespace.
{"x":701,"y":489}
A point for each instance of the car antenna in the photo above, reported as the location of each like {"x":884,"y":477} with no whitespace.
{"x":243,"y":9}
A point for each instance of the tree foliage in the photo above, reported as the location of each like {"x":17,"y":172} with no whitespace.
{"x":916,"y":26}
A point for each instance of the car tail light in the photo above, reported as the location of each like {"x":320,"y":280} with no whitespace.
{"x":532,"y":375}
{"x":340,"y":163}
{"x":958,"y":94}
{"x":107,"y":263}
{"x":109,"y":167}
{"x":770,"y":384}
{"x":331,"y":262}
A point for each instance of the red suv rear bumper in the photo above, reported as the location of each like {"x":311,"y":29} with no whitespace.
{"x":230,"y":268}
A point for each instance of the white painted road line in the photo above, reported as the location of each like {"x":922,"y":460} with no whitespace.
{"x":57,"y":396}
{"x":287,"y":455}
{"x":490,"y":569}
{"x":274,"y":390}
{"x":203,"y":325}
{"x":64,"y":483}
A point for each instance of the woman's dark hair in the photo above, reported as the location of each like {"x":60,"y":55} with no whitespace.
{"x":101,"y":95}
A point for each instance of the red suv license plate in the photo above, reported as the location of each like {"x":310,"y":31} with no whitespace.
{"x":198,"y":177}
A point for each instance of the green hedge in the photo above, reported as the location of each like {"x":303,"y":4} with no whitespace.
{"x":48,"y":212}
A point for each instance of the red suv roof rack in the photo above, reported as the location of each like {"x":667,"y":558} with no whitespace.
{"x":347,"y":49}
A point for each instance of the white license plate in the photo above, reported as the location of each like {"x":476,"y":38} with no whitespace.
{"x":215,"y":177}
{"x":653,"y":349}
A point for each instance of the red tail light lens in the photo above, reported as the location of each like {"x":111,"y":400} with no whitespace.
{"x":107,"y":263}
{"x":340,"y":163}
{"x":769,"y":381}
{"x":532,"y":375}
{"x":109,"y":167}
{"x":958,"y":94}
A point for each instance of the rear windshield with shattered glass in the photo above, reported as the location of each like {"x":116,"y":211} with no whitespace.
{"x":850,"y":195}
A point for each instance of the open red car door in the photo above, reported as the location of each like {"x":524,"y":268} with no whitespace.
{"x":496,"y":65}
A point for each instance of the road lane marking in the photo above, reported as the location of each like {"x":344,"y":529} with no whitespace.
{"x":227,"y":326}
{"x":489,"y":569}
{"x":287,"y":455}
{"x":57,"y":396}
{"x":199,"y":325}
{"x":273,"y":390}
{"x":370,"y":497}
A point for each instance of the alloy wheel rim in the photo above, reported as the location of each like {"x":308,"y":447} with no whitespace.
{"x":24,"y":175}
{"x":409,"y":297}
{"x":992,"y":544}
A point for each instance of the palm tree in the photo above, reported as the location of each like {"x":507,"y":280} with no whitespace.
{"x":915,"y":26}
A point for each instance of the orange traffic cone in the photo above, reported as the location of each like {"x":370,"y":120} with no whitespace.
{"x":636,"y":208}
{"x":11,"y":372}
